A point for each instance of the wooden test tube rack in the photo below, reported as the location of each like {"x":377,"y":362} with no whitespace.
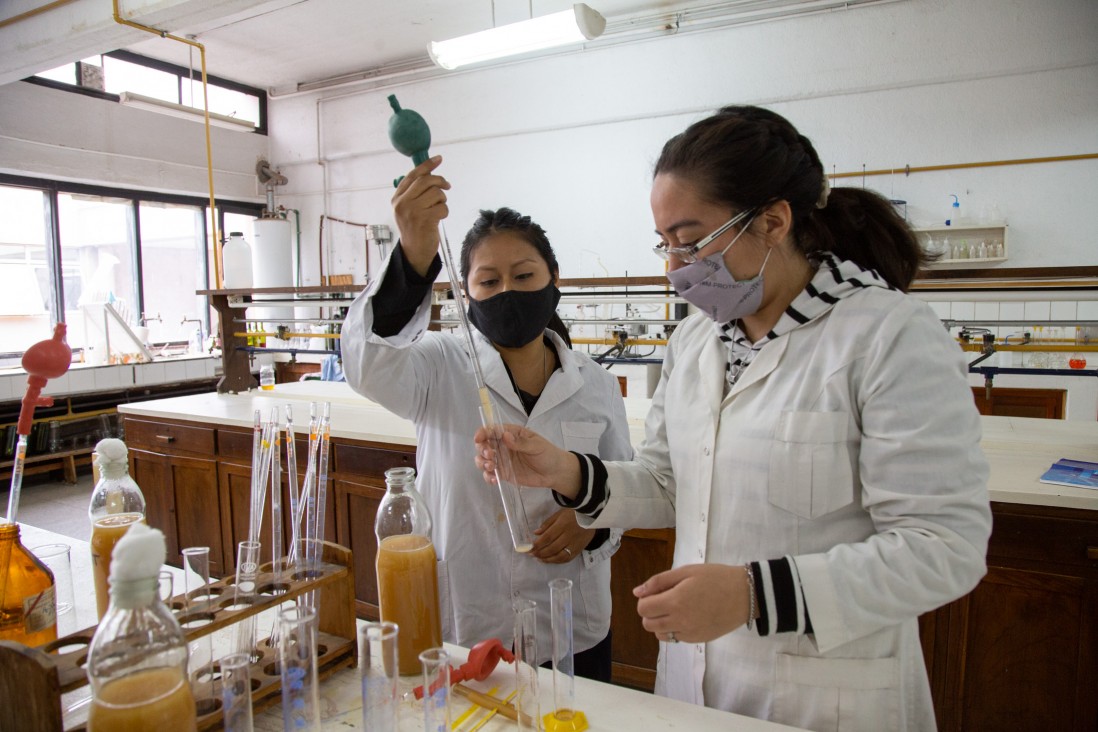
{"x":38,"y":676}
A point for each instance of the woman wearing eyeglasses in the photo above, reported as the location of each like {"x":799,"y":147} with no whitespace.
{"x":813,"y":439}
{"x":509,"y":273}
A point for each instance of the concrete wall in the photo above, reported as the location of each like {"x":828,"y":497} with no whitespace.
{"x":59,"y":135}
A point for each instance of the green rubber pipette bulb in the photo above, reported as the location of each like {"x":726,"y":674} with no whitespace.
{"x":408,"y":132}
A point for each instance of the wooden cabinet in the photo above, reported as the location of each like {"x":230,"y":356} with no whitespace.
{"x":643,"y":553}
{"x":181,"y":495}
{"x":356,"y":505}
{"x":1036,"y":403}
{"x":197,"y":485}
{"x":1020,"y":652}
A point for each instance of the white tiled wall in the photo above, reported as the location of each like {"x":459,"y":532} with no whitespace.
{"x":83,"y":379}
{"x":1082,"y":392}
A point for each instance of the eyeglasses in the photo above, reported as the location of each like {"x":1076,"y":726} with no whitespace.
{"x":689,"y":254}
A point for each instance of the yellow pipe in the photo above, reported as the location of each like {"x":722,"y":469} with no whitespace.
{"x":613,"y":341}
{"x":33,"y":12}
{"x":218,"y":265}
{"x":261,"y":334}
{"x":908,"y":170}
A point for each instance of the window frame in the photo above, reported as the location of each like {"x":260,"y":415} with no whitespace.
{"x":53,"y":188}
{"x":182,"y":73}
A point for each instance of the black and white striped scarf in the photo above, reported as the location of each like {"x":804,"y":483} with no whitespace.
{"x":834,"y":279}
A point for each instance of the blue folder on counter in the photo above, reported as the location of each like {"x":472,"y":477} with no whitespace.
{"x":1080,"y":473}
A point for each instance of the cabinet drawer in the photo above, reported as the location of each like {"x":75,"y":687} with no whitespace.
{"x":168,"y":437}
{"x":368,"y":462}
{"x":1064,"y":541}
{"x":236,"y":445}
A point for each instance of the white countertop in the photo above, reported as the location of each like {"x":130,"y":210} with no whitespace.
{"x":1019,"y":449}
{"x":608,"y":708}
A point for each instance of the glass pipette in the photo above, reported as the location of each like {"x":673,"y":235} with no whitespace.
{"x":509,"y":492}
{"x":410,"y":135}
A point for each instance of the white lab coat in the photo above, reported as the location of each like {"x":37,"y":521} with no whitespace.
{"x":851,"y":444}
{"x":426,"y":377}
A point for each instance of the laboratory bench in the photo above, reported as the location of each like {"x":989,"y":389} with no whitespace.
{"x":608,"y":708}
{"x":1019,"y":652}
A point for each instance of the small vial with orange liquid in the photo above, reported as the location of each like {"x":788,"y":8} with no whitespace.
{"x":116,"y":504}
{"x":407,"y":577}
{"x":137,"y":660}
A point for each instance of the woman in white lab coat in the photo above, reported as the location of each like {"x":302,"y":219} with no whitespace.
{"x":813,"y":439}
{"x":510,"y":274}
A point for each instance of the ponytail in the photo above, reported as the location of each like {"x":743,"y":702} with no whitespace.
{"x":557,"y":326}
{"x":863,"y":227}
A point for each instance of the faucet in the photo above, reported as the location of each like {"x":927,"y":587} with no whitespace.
{"x":192,"y":346}
{"x":146,"y":319}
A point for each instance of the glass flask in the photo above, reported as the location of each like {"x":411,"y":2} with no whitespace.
{"x":407,"y":579}
{"x":28,"y":610}
{"x":137,"y":660}
{"x":116,"y":503}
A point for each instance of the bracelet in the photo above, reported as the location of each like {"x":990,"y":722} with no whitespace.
{"x":750,"y":597}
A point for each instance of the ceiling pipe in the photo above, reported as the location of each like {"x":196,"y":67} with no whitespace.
{"x":33,"y":12}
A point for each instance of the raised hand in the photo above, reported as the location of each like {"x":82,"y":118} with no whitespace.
{"x":419,"y":204}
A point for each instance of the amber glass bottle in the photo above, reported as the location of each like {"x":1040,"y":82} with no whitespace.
{"x":28,"y":610}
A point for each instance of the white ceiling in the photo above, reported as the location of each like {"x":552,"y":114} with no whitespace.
{"x":281,"y":44}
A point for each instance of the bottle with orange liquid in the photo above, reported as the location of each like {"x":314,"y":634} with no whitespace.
{"x":137,"y":660}
{"x":28,"y":611}
{"x":116,"y":503}
{"x":407,"y":577}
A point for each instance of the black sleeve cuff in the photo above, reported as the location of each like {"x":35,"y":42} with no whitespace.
{"x":782,"y":607}
{"x":593,"y":492}
{"x":401,"y":292}
{"x":601,"y":537}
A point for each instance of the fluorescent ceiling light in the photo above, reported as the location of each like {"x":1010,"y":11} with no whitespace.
{"x":153,"y":104}
{"x":557,"y":29}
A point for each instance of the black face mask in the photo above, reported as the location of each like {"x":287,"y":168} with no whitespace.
{"x":514,"y":318}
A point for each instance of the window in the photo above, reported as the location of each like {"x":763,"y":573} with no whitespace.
{"x":25,"y":302}
{"x":124,"y":76}
{"x":112,"y":74}
{"x":173,"y":262}
{"x":74,"y":249}
{"x":97,"y":267}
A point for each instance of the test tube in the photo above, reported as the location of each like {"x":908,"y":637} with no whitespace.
{"x":196,"y":578}
{"x":377,"y":664}
{"x":236,"y":692}
{"x":564,"y":672}
{"x":436,"y":690}
{"x":527,"y":695}
{"x":247,"y":569}
{"x":297,"y":655}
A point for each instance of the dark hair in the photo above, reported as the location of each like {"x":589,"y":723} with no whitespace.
{"x":749,"y":157}
{"x":506,"y":219}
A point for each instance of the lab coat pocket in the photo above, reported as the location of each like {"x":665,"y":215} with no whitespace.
{"x":810,"y":471}
{"x":445,"y":609}
{"x":840,"y":694}
{"x":582,"y":437}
